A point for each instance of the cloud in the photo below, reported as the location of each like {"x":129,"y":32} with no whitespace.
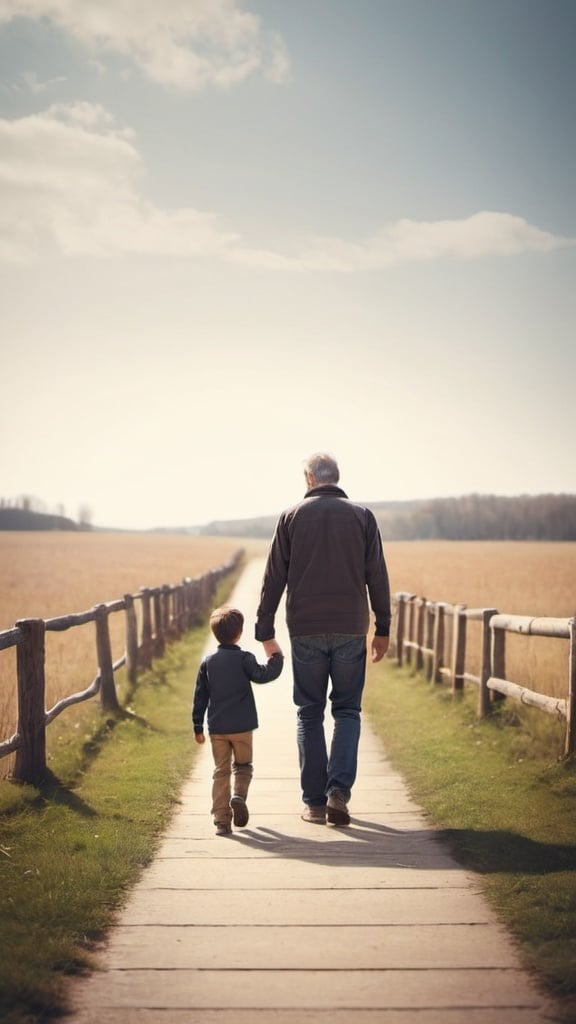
{"x":72,"y":182}
{"x":188,"y":46}
{"x":487,"y":233}
{"x":69,"y":181}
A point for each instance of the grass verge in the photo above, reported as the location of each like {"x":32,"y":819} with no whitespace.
{"x":70,"y":849}
{"x":504,"y":802}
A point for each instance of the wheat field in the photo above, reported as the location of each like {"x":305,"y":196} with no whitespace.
{"x":45,"y":575}
{"x":517,"y":578}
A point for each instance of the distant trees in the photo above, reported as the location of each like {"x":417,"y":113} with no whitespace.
{"x":85,"y":517}
{"x":27,"y":502}
{"x":26,"y":512}
{"x":469,"y":517}
{"x":482,"y":517}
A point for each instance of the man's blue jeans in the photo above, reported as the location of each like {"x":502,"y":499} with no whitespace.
{"x":316,"y":661}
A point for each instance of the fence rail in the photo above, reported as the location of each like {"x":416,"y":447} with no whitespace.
{"x":166,"y":613}
{"x":420,"y":638}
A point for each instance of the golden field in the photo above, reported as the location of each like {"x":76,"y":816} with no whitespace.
{"x":517,"y":578}
{"x":49,"y":574}
{"x":46,"y":575}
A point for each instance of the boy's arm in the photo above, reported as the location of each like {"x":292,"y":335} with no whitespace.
{"x":200,"y":702}
{"x":263,"y":673}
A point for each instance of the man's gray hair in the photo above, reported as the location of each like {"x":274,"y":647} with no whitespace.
{"x":323,"y":468}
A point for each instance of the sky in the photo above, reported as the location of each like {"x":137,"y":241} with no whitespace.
{"x":233,"y":234}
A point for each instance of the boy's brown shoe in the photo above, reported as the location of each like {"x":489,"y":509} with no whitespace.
{"x":223,"y":828}
{"x":239,"y":811}
{"x":337,"y":808}
{"x":315,"y":815}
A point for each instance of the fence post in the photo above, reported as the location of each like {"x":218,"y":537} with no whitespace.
{"x":131,"y":639}
{"x":400,"y":620}
{"x":430,"y":619}
{"x":30,"y":763}
{"x":438,"y":644}
{"x":458,"y":648}
{"x":108,"y":695}
{"x":411,"y":629}
{"x":146,"y":645}
{"x":498,"y":659}
{"x":483,"y":691}
{"x":159,"y":642}
{"x":178,"y":604}
{"x":165,"y":603}
{"x":570,"y":744}
{"x":194,"y":601}
{"x":420,"y":623}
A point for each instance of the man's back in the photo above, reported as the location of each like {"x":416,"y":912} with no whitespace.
{"x":326,"y":551}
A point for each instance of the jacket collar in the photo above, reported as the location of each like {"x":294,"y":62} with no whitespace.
{"x":326,"y":490}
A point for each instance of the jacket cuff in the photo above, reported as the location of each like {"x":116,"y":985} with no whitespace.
{"x":198,"y":729}
{"x":262,"y":633}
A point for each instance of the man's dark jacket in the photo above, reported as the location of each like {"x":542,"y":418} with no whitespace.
{"x":327,"y":552}
{"x":223,"y":687}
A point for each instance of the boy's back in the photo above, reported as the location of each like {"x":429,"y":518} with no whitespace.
{"x":224,"y":687}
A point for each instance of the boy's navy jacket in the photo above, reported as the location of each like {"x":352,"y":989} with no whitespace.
{"x":223,"y":687}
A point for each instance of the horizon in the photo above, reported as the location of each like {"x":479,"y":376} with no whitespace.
{"x":39,"y":508}
{"x":236,"y":234}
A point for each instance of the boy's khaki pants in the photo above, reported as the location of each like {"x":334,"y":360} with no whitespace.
{"x":237,"y":745}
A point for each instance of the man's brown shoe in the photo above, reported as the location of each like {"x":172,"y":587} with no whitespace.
{"x":337,"y":808}
{"x":315,"y":815}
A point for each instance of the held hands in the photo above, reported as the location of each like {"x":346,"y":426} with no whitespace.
{"x":199,"y":737}
{"x":271,"y":647}
{"x":379,"y":647}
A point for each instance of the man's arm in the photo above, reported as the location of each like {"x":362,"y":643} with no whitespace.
{"x":273,"y":584}
{"x":379,"y":647}
{"x":271,"y":647}
{"x":378,"y":587}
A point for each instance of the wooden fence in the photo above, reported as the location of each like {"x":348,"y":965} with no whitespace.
{"x":166,"y":613}
{"x":419,"y":637}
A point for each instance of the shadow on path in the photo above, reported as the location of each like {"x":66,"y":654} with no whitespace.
{"x":363,"y":844}
{"x":369,"y":844}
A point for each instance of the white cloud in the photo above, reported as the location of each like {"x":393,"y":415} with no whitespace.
{"x":69,"y":182}
{"x":72,"y":182}
{"x":486,"y":233}
{"x":187,"y":45}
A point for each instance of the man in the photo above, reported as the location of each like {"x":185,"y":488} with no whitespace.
{"x":327,"y":553}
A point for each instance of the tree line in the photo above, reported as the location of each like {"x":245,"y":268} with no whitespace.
{"x":549,"y":517}
{"x":537,"y":517}
{"x":27,"y":512}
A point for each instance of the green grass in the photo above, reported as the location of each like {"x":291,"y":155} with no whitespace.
{"x":70,"y":849}
{"x":505,"y":800}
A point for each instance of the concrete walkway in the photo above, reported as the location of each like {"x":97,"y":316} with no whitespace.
{"x":289,"y":923}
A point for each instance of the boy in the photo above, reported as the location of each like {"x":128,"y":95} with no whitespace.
{"x":223,"y":687}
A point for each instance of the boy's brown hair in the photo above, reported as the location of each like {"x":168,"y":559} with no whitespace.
{"x":226,"y":623}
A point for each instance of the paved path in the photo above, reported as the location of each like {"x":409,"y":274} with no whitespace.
{"x":290,"y":923}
